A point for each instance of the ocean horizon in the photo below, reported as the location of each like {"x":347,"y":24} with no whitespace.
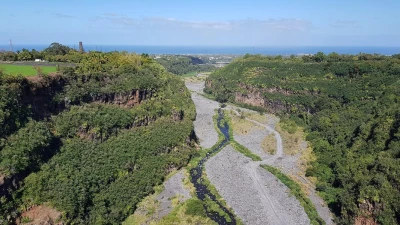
{"x":214,"y":50}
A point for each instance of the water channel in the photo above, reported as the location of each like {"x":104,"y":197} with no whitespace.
{"x":201,"y":189}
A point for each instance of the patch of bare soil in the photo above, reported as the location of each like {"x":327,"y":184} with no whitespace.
{"x":41,"y":215}
{"x":362,"y":220}
{"x":41,"y":79}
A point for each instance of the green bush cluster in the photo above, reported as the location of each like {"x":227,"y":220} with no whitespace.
{"x":194,"y":207}
{"x":181,"y":65}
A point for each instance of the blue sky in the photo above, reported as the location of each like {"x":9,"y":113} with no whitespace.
{"x":204,"y":22}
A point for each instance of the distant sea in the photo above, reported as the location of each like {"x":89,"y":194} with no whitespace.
{"x":222,"y":50}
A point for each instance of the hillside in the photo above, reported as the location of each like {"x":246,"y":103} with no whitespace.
{"x":184,"y":65}
{"x":91,"y":141}
{"x":349,"y":106}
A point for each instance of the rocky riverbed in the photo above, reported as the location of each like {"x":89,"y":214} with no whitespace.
{"x":205,"y":109}
{"x":255,"y":195}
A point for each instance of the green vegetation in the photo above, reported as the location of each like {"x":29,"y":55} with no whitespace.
{"x":349,"y":106}
{"x":295,"y":190}
{"x":92,"y":141}
{"x":27,"y":70}
{"x":26,"y":149}
{"x":190,"y":212}
{"x":108,"y":192}
{"x":191,"y":74}
{"x":246,"y":152}
{"x":184,"y":65}
{"x":195,"y":208}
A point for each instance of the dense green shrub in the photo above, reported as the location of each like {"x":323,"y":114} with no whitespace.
{"x":28,"y":148}
{"x":194,"y":207}
{"x":102,"y":183}
{"x":181,"y":65}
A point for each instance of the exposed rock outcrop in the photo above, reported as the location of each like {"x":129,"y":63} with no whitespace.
{"x":41,"y":215}
{"x":127,"y":100}
{"x":39,"y":93}
{"x":368,"y":213}
{"x":255,"y":97}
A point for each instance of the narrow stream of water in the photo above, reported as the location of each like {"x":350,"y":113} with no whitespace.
{"x":201,"y":190}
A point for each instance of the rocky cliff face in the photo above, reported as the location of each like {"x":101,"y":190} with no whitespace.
{"x":39,"y":95}
{"x":254,"y":97}
{"x":126,"y":100}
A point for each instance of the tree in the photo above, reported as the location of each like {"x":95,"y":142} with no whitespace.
{"x":57,"y":49}
{"x":333,"y":57}
{"x":36,"y":55}
{"x":24,"y":55}
{"x":319,"y":57}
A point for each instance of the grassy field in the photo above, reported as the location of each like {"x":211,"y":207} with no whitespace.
{"x":191,"y":74}
{"x":25,"y":70}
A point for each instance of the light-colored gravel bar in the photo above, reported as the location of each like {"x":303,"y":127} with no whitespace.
{"x":254,"y":194}
{"x":173,"y":187}
{"x":205,"y":110}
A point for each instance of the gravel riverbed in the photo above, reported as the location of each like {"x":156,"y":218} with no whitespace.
{"x":255,"y":195}
{"x":205,"y":109}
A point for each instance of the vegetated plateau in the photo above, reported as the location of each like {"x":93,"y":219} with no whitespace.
{"x":90,"y":141}
{"x":349,"y":105}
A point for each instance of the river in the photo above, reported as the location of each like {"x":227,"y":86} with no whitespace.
{"x":202,"y":191}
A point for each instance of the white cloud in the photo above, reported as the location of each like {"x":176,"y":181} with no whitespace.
{"x":345,"y":24}
{"x":283,"y":24}
{"x":172,"y":31}
{"x":60,"y":15}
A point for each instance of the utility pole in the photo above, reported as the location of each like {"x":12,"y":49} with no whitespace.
{"x":11,"y":46}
